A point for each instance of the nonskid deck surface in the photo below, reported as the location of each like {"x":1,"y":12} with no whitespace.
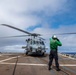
{"x":20,"y":64}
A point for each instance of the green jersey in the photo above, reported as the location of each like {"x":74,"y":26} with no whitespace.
{"x":54,"y":44}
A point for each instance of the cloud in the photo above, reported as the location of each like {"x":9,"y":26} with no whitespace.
{"x":19,"y":12}
{"x":67,"y":39}
{"x":26,"y":13}
{"x":11,"y":13}
{"x":13,"y":48}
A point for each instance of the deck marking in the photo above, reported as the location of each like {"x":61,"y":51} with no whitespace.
{"x":9,"y":59}
{"x":0,"y":55}
{"x":67,"y":64}
{"x":29,"y":64}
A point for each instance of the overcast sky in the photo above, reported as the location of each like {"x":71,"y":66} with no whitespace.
{"x":46,"y":17}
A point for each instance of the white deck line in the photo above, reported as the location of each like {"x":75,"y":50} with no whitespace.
{"x":8,"y":59}
{"x":0,"y":55}
{"x":29,"y":64}
{"x":68,"y":65}
{"x":24,"y":64}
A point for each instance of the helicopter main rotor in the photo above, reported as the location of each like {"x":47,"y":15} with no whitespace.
{"x":29,"y":34}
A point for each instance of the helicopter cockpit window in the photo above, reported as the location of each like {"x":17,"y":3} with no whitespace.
{"x":34,"y":42}
{"x":37,"y":42}
{"x":42,"y":43}
{"x":26,"y":40}
{"x":30,"y":41}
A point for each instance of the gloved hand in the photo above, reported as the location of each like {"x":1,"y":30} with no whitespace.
{"x":57,"y":39}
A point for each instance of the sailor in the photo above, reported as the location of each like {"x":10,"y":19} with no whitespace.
{"x":54,"y":43}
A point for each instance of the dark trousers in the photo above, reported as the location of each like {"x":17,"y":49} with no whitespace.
{"x":53,"y":55}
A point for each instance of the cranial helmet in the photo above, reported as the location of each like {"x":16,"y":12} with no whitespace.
{"x":54,"y":36}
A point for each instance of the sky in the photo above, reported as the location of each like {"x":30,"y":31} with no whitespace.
{"x":46,"y":17}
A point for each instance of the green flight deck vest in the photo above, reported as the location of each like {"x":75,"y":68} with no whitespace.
{"x":54,"y":43}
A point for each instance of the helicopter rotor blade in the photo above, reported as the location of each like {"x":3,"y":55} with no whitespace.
{"x":65,"y":33}
{"x":32,"y":34}
{"x":15,"y":36}
{"x":16,"y":28}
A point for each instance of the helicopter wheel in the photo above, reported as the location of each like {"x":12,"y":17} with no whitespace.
{"x":43,"y":54}
{"x":27,"y":53}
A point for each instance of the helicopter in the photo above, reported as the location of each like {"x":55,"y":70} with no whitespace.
{"x":34,"y":44}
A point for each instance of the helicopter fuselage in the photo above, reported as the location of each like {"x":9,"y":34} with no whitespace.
{"x":35,"y":46}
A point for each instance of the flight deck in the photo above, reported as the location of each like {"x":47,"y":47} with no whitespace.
{"x":20,"y":64}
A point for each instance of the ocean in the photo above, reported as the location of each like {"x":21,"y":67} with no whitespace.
{"x":69,"y":53}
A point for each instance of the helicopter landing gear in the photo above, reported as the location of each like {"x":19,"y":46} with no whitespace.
{"x":26,"y":52}
{"x":43,"y":54}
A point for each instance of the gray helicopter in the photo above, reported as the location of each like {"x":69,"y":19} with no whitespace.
{"x":34,"y":44}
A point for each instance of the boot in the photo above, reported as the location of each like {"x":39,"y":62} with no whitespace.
{"x":58,"y":69}
{"x":49,"y":68}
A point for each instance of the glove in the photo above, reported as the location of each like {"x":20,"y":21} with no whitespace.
{"x":57,"y":39}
